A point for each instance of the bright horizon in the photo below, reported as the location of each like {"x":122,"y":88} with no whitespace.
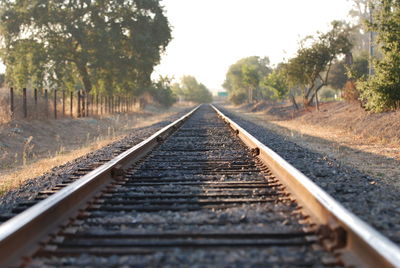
{"x":211,"y":35}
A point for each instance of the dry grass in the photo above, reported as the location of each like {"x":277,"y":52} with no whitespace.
{"x":16,"y":177}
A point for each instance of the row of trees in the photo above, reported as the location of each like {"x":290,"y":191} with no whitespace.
{"x":327,"y":60}
{"x":252,"y":78}
{"x":190,"y":90}
{"x":108,"y":47}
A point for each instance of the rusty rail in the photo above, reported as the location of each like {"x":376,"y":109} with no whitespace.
{"x":21,"y":235}
{"x":357,"y":243}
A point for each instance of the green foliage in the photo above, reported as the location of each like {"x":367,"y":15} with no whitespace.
{"x":311,"y":67}
{"x":359,"y":69}
{"x":162,"y":92}
{"x":103,"y":45}
{"x":190,"y":90}
{"x":25,"y":64}
{"x":243,"y":79}
{"x":381,"y":92}
{"x":276,"y":83}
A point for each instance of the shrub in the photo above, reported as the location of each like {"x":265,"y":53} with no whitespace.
{"x":238,"y":97}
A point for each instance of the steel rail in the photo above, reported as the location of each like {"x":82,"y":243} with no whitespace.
{"x":21,"y":235}
{"x":357,"y":243}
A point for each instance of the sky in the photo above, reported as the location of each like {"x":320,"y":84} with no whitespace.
{"x":211,"y":35}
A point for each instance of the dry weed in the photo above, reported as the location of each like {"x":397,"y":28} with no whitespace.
{"x":16,"y":177}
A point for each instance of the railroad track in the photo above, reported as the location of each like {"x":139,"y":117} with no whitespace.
{"x":200,"y":192}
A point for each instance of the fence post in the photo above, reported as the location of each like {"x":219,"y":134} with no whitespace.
{"x":83,"y":107}
{"x":105,"y":105}
{"x":108,"y":104}
{"x":86,"y":103}
{"x":87,"y":97}
{"x":25,"y":108}
{"x":63,"y":103}
{"x":35,"y":99}
{"x":55,"y":104}
{"x":113,"y":100}
{"x":71,"y":106}
{"x":12,"y":101}
{"x":97,"y":104}
{"x":46,"y":104}
{"x":92,"y":104}
{"x":79,"y":103}
{"x":101,"y":104}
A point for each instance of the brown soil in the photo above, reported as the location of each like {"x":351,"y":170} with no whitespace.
{"x":368,"y":142}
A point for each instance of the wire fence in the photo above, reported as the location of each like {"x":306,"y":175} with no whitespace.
{"x":55,"y":104}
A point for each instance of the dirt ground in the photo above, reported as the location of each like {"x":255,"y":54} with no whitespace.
{"x":30,"y":148}
{"x":368,"y":142}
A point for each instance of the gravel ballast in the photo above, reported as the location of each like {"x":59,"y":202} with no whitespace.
{"x":374,"y":201}
{"x":199,"y":199}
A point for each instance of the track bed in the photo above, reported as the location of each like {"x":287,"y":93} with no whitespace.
{"x":200,"y":199}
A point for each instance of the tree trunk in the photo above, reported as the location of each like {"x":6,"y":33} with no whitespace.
{"x":83,"y":73}
{"x":250,"y":95}
{"x":293,"y":100}
{"x":307,"y":102}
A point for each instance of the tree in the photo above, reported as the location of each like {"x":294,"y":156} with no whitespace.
{"x":190,"y":90}
{"x":276,"y":83}
{"x":162,"y":92}
{"x":251,"y":79}
{"x":311,"y":67}
{"x":356,"y":72}
{"x":25,"y":64}
{"x":359,"y":69}
{"x":106,"y":45}
{"x":338,"y":76}
{"x":243,"y":79}
{"x":381,"y":92}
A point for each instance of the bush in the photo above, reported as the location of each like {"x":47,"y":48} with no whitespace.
{"x":382,"y":91}
{"x":163,"y":96}
{"x":238,"y":98}
{"x":350,"y":92}
{"x":162,"y":92}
